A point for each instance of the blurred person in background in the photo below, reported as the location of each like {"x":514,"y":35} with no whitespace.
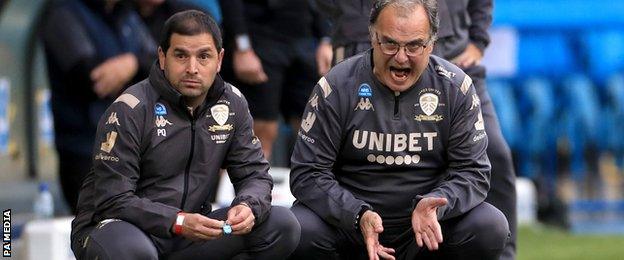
{"x":94,"y":49}
{"x":391,"y":156}
{"x":280,"y":47}
{"x":462,"y":39}
{"x":136,"y":205}
{"x":154,"y":13}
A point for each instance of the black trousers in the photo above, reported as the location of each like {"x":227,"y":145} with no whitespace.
{"x":73,"y":168}
{"x":479,"y":234}
{"x":502,"y":192}
{"x":275,"y":238}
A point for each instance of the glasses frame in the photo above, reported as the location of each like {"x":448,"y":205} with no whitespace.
{"x":420,"y":51}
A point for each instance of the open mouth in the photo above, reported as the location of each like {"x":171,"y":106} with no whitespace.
{"x":400,"y":73}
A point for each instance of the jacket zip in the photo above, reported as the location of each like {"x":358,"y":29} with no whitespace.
{"x":396,"y":105}
{"x":188,"y":163}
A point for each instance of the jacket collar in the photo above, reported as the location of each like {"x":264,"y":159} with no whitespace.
{"x":160,"y":83}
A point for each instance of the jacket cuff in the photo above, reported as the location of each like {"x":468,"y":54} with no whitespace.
{"x":350,"y":216}
{"x":481,"y":45}
{"x":252,"y":203}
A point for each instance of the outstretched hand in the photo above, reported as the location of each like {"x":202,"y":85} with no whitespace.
{"x":371,"y":226}
{"x":425,"y":222}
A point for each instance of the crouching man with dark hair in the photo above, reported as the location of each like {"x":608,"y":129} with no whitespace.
{"x":160,"y":146}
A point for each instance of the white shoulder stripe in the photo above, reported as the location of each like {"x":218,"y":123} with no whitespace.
{"x":466,"y":84}
{"x":325,"y":87}
{"x":128,"y":99}
{"x":236,"y":90}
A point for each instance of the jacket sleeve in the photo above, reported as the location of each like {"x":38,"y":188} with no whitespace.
{"x":247,"y":167}
{"x":329,"y":7}
{"x":233,"y":18}
{"x":117,"y":170}
{"x":468,"y":174}
{"x":321,"y":25}
{"x":480,"y":12}
{"x":312,"y":181}
{"x":67,"y":42}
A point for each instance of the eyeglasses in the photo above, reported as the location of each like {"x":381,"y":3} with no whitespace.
{"x":412,"y":49}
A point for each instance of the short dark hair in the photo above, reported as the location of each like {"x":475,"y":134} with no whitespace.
{"x":190,"y":22}
{"x":431,"y":8}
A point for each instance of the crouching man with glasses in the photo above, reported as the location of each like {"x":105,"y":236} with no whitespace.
{"x":391,"y":157}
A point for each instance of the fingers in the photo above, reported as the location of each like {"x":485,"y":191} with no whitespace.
{"x":437,"y":231}
{"x":261,"y":77}
{"x":323,"y":65}
{"x":243,"y":227}
{"x":248,"y":68}
{"x":419,"y":239}
{"x":198,"y":227}
{"x":241,"y":218}
{"x":426,"y":240}
{"x":385,"y":252}
{"x":371,"y":246}
{"x":429,"y":238}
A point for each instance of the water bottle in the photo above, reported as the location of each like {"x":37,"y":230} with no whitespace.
{"x":44,"y":205}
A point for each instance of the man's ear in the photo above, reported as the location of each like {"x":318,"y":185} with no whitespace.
{"x":221,"y":53}
{"x":161,"y":58}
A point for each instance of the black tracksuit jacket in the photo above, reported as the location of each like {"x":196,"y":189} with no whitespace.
{"x":152,"y":158}
{"x":361,"y":144}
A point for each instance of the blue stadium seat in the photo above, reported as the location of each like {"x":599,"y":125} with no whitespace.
{"x":504,"y":100}
{"x":580,"y":112}
{"x":614,"y":128}
{"x":604,"y":50}
{"x":547,"y":54}
{"x":537,"y":107}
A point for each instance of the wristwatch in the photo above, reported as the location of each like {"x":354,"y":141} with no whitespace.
{"x":242,"y":42}
{"x":177,"y":227}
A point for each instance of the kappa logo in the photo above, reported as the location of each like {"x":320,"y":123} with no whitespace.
{"x":161,"y":121}
{"x":364,"y":105}
{"x":112,"y":119}
{"x":308,"y":122}
{"x":428,"y":103}
{"x":476,"y":102}
{"x":108,"y":145}
{"x":220,"y":113}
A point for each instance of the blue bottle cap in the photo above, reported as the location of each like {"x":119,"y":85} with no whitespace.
{"x":43,"y":186}
{"x":227,"y":229}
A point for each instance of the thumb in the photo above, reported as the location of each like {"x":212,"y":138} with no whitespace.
{"x":438,"y":202}
{"x":378,"y":226}
{"x":232,"y":213}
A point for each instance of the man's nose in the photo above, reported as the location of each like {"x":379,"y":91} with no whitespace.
{"x":192,"y":66}
{"x":401,"y":55}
